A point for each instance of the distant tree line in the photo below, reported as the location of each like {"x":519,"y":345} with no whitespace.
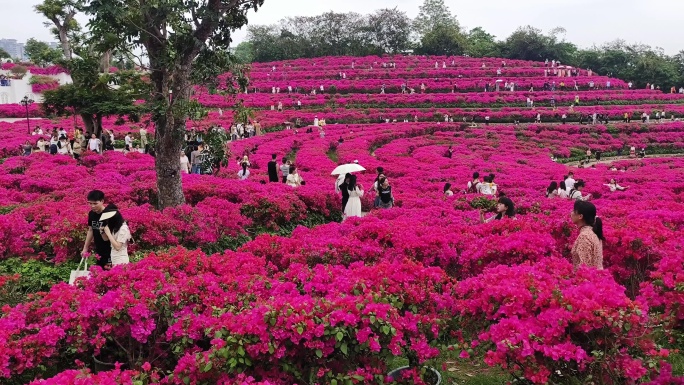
{"x":436,"y":31}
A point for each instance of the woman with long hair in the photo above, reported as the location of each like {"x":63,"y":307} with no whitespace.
{"x":447,"y":190}
{"x":244,"y":173}
{"x":353,"y":208}
{"x":562,"y":190}
{"x":504,"y":208}
{"x":119,"y":235}
{"x":588,"y":247}
{"x":552,"y":190}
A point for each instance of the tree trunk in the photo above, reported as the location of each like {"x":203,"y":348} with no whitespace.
{"x":66,"y":47}
{"x":106,"y":61}
{"x":89,"y":124}
{"x":169,"y":133}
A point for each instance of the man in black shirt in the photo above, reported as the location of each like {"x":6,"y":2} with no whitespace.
{"x":102,"y":246}
{"x":273,"y":169}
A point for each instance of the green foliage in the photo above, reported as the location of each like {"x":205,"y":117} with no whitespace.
{"x":434,"y":14}
{"x":4,"y":54}
{"x":41,"y":54}
{"x":442,"y":40}
{"x":244,"y":52}
{"x":482,"y":44}
{"x":340,"y":34}
{"x":529,"y":43}
{"x":638,"y":63}
{"x":217,"y":155}
{"x":94,"y":95}
{"x":34,"y":276}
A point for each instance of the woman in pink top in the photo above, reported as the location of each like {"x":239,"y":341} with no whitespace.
{"x":588,"y":247}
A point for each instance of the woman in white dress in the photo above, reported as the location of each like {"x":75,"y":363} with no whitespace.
{"x":184,"y":163}
{"x":353,"y":208}
{"x":119,"y":236}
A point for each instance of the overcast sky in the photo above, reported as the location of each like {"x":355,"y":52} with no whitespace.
{"x":588,"y":22}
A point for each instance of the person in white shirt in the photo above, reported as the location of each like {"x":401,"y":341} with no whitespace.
{"x":552,"y":190}
{"x":613,"y":186}
{"x":94,"y":144}
{"x":184,"y":163}
{"x":447,"y":190}
{"x":128,"y":140}
{"x":244,"y":173}
{"x":315,"y":122}
{"x":569,"y":182}
{"x":62,"y":132}
{"x":576,"y":193}
{"x":119,"y":235}
{"x":488,"y":187}
{"x":293,"y":178}
{"x":562,"y":190}
{"x":63,"y":146}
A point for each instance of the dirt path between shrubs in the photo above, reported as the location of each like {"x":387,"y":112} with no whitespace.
{"x":618,"y":158}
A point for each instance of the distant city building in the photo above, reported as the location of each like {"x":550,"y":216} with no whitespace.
{"x":16,"y":49}
{"x":13,"y":47}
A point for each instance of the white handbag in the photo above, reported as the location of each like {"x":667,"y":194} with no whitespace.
{"x":78,"y":273}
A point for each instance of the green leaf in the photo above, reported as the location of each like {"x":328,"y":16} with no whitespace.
{"x":339,"y":336}
{"x":300,"y":330}
{"x":319,"y":353}
{"x":343,"y":348}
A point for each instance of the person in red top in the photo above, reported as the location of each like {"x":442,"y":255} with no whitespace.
{"x":588,"y":247}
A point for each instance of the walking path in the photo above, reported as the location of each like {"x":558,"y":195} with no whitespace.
{"x":617,"y":158}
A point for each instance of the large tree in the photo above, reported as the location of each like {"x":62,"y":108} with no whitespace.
{"x":40,"y":53}
{"x":482,"y":44}
{"x":185,"y":41}
{"x":442,"y":40}
{"x":61,"y":14}
{"x":97,"y":95}
{"x":433,"y":14}
{"x":390,"y":30}
{"x":4,"y":54}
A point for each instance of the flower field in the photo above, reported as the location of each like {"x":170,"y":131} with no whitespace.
{"x":253,"y":282}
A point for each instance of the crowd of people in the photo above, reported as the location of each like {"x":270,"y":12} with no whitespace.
{"x":76,"y":143}
{"x":588,"y":247}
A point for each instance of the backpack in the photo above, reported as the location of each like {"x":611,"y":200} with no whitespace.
{"x":572,"y":192}
{"x":473,"y":187}
{"x":53,"y":149}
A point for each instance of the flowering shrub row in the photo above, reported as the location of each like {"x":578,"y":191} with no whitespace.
{"x":332,"y":303}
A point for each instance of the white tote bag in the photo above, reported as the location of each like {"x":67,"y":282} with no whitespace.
{"x":78,"y":273}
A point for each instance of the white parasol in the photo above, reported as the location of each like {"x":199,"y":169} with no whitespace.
{"x":347,"y":168}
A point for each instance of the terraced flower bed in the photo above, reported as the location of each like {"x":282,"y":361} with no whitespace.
{"x":254,"y":282}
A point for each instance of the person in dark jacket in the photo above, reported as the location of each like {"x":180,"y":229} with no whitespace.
{"x":96,"y":200}
{"x":273,"y":169}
